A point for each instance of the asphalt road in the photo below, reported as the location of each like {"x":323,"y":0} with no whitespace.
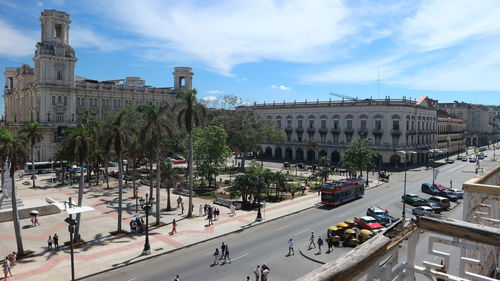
{"x":267,"y":243}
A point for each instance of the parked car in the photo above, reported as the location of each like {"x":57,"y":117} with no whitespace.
{"x":449,"y":194}
{"x":413,"y":199}
{"x":435,"y":207}
{"x":464,"y":159}
{"x":443,"y":202}
{"x":369,"y":223}
{"x":472,"y":159}
{"x":458,"y":192}
{"x":482,"y":156}
{"x":460,"y":157}
{"x":429,"y":189}
{"x":380,"y":215}
{"x":423,"y":211}
{"x":450,"y":161}
{"x":439,"y":186}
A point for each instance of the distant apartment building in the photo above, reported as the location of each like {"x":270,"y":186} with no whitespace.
{"x":388,"y":125}
{"x":450,"y":133}
{"x":51,"y":94}
{"x":478,"y":128}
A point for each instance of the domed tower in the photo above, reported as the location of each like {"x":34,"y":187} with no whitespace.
{"x":183,"y":78}
{"x":54,"y":57}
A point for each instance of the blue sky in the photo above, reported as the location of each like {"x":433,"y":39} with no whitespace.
{"x":279,"y":50}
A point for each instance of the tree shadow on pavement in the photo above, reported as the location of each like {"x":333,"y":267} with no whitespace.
{"x":126,"y":261}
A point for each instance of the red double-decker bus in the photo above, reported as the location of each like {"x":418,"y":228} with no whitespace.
{"x":339,"y":192}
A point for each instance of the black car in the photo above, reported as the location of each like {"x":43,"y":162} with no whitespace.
{"x":435,"y":206}
{"x":429,"y":188}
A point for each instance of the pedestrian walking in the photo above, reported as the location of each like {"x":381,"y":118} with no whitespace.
{"x":320,"y":244}
{"x":179,"y":200}
{"x":12,"y":259}
{"x":265,"y":272}
{"x":226,"y":255}
{"x":133,"y":226}
{"x":50,"y":242}
{"x":290,"y":247}
{"x":311,"y":241}
{"x":329,"y":242}
{"x":233,"y":210}
{"x":56,"y":240}
{"x":216,"y":256}
{"x":174,"y":226}
{"x":205,"y":207}
{"x":256,"y":271}
{"x":5,"y":268}
{"x":248,"y":278}
{"x":209,"y":218}
{"x":200,"y":210}
{"x":177,"y":278}
{"x":223,"y":250}
{"x":36,"y":220}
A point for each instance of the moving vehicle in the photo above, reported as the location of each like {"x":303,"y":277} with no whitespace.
{"x":380,"y":215}
{"x":42,"y":167}
{"x":472,"y":159}
{"x":422,"y":211}
{"x":369,"y":223}
{"x":482,"y":156}
{"x":464,"y":159}
{"x":450,"y":161}
{"x":443,"y":202}
{"x":413,"y":200}
{"x":460,"y":157}
{"x":339,"y":192}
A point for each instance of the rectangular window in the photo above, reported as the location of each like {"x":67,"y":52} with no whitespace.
{"x":323,"y":124}
{"x":349,"y":124}
{"x":53,"y":100}
{"x":395,"y":124}
{"x":378,"y":140}
{"x":65,"y":100}
{"x":336,"y":139}
{"x":299,"y":124}
{"x":336,"y":124}
{"x":59,"y":117}
{"x":278,"y":123}
{"x":311,"y":123}
{"x":83,"y":101}
{"x":363,"y":124}
{"x":378,"y":124}
{"x":323,"y":137}
{"x":289,"y":123}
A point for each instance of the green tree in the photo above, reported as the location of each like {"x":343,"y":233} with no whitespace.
{"x":191,"y":114}
{"x":170,"y":176}
{"x":34,"y":134}
{"x":358,"y":156}
{"x":157,"y":124}
{"x":5,"y":139}
{"x":210,"y":151}
{"x":77,"y":144}
{"x":17,"y":151}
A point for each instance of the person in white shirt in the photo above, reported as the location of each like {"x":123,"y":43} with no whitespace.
{"x":290,"y":247}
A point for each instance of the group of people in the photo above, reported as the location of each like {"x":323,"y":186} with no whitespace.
{"x":212,"y":213}
{"x":53,"y":242}
{"x":222,"y":254}
{"x":261,"y":272}
{"x":312,"y":243}
{"x":8,"y":263}
{"x":137,"y":225}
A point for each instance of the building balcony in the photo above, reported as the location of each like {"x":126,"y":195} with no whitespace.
{"x":311,"y":130}
{"x":348,"y":131}
{"x":396,"y":132}
{"x":411,"y":132}
{"x":363,"y":132}
{"x":288,"y":129}
{"x":299,"y":130}
{"x":335,"y":131}
{"x":377,"y":132}
{"x":323,"y":130}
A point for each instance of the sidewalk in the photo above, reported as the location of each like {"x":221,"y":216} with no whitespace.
{"x":103,"y":251}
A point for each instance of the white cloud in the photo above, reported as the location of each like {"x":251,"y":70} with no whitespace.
{"x":16,"y":43}
{"x":214,"y":92}
{"x":223,"y":34}
{"x":280,"y":87}
{"x":87,"y":38}
{"x":210,"y":98}
{"x":444,"y":23}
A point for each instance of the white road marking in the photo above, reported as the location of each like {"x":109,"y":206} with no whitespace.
{"x":301,"y":232}
{"x":282,"y":227}
{"x":132,"y":279}
{"x":240,"y":257}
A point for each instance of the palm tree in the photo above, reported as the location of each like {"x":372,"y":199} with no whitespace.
{"x":156,"y":123}
{"x":191,"y":113}
{"x":77,"y":145}
{"x":33,"y":132}
{"x":118,"y":138}
{"x":5,"y":138}
{"x":134,"y":152}
{"x":170,"y":176}
{"x":17,"y":151}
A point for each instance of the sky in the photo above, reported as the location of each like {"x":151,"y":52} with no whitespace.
{"x":278,"y":50}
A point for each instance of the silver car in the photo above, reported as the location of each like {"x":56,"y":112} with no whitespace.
{"x":457,"y":192}
{"x":423,"y":211}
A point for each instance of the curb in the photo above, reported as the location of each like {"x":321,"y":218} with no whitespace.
{"x":193,"y":244}
{"x":311,"y":259}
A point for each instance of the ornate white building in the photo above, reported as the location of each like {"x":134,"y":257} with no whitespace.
{"x":389,"y":125}
{"x":52,"y":95}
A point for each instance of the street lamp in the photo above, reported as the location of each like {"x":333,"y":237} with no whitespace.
{"x":404,"y":187}
{"x":259,"y":215}
{"x":146,"y":205}
{"x":71,"y":228}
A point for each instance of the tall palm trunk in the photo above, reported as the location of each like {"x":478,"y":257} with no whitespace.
{"x":169,"y":206}
{"x":15,"y":214}
{"x":133,"y":182}
{"x":33,"y":163}
{"x":151,"y":178}
{"x":158,"y":184}
{"x":80,"y":201}
{"x":120,"y":189}
{"x":107,"y":173}
{"x":2,"y":176}
{"x":190,"y":173}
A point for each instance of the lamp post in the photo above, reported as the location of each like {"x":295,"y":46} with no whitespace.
{"x":71,"y":228}
{"x":146,"y":205}
{"x":404,"y":186}
{"x":259,"y":215}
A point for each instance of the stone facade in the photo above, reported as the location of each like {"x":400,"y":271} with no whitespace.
{"x":478,"y":127}
{"x":388,"y":125}
{"x":450,"y":134}
{"x":52,"y":95}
